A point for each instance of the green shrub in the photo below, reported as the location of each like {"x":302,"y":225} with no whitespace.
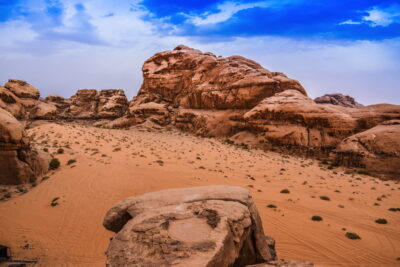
{"x":54,"y":164}
{"x":45,"y":149}
{"x":71,"y":161}
{"x":271,"y":206}
{"x":316,"y":218}
{"x":60,"y":151}
{"x":325,"y":198}
{"x":285,"y":191}
{"x":381,"y":221}
{"x":363,"y":172}
{"x":32,"y":179}
{"x":353,"y":236}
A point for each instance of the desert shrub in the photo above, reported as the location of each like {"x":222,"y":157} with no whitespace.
{"x":45,"y":149}
{"x":285,"y":191}
{"x":353,"y":236}
{"x":316,"y":218}
{"x":54,"y":164}
{"x":271,"y":206}
{"x":54,"y":202}
{"x":325,"y":198}
{"x":60,"y":151}
{"x":32,"y":179}
{"x":381,"y":221}
{"x":71,"y":161}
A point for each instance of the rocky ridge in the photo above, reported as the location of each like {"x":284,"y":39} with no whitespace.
{"x":232,"y":98}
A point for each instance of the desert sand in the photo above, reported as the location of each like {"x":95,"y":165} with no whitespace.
{"x":115,"y":164}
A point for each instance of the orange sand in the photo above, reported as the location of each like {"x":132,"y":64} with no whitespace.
{"x":71,"y":234}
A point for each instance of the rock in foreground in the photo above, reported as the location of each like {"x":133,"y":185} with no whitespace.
{"x":212,"y":226}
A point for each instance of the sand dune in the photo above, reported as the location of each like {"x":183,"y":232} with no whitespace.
{"x":114,"y":164}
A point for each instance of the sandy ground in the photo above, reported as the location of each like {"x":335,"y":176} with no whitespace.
{"x":114,"y":164}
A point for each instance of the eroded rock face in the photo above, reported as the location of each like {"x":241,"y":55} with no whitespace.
{"x":189,"y":78}
{"x":93,"y":104}
{"x":18,"y":162}
{"x":377,"y":150}
{"x":337,"y":99}
{"x":22,"y":100}
{"x":212,"y":226}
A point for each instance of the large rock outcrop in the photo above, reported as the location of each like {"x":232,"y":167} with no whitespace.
{"x":18,"y":162}
{"x":377,"y":150}
{"x":93,"y":104}
{"x":338,"y":99}
{"x":22,"y":100}
{"x":212,"y":226}
{"x":189,"y":78}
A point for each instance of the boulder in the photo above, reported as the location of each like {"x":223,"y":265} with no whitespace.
{"x":11,"y":103}
{"x":59,"y":102}
{"x":18,"y":162}
{"x":338,"y":99}
{"x":189,"y":78}
{"x":200,"y":226}
{"x":83,"y":105}
{"x":22,"y":89}
{"x":377,"y":150}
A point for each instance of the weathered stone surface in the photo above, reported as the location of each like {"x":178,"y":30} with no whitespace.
{"x":337,"y":99}
{"x":59,"y":102}
{"x":22,"y":100}
{"x":11,"y":103}
{"x":18,"y":162}
{"x":284,"y":263}
{"x":377,"y":150}
{"x":189,"y":78}
{"x":22,"y":89}
{"x":91,"y":104}
{"x":111,"y":103}
{"x":201,"y":226}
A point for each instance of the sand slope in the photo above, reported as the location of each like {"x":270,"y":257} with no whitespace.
{"x":115,"y":164}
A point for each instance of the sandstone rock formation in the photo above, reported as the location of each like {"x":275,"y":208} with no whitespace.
{"x":201,"y":226}
{"x":91,"y":104}
{"x":18,"y":162}
{"x":188,"y":78}
{"x":377,"y":150}
{"x":22,"y":100}
{"x":337,"y":99}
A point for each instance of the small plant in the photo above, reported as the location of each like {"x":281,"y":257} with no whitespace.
{"x":325,"y":198}
{"x":45,"y":149}
{"x":54,"y":202}
{"x":285,"y":191}
{"x":394,"y":209}
{"x":381,"y":221}
{"x":325,"y":162}
{"x":353,"y":236}
{"x":54,"y":164}
{"x":45,"y":178}
{"x":60,"y":151}
{"x":271,"y":206}
{"x":32,"y":179}
{"x":316,"y":218}
{"x":71,"y":161}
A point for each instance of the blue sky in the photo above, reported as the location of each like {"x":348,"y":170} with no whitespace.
{"x":59,"y":46}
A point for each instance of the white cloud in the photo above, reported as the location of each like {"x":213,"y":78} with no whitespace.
{"x":382,"y":17}
{"x":225,"y":12}
{"x":350,"y":22}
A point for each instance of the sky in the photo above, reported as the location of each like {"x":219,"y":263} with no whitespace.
{"x":343,"y":46}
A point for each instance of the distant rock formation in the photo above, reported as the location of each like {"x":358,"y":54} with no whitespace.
{"x":18,"y":162}
{"x":22,"y":100}
{"x":338,"y":99}
{"x":377,"y":149}
{"x":234,"y":98}
{"x":210,"y":226}
{"x":189,"y":78}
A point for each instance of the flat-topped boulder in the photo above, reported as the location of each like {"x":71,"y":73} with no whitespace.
{"x":213,"y":226}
